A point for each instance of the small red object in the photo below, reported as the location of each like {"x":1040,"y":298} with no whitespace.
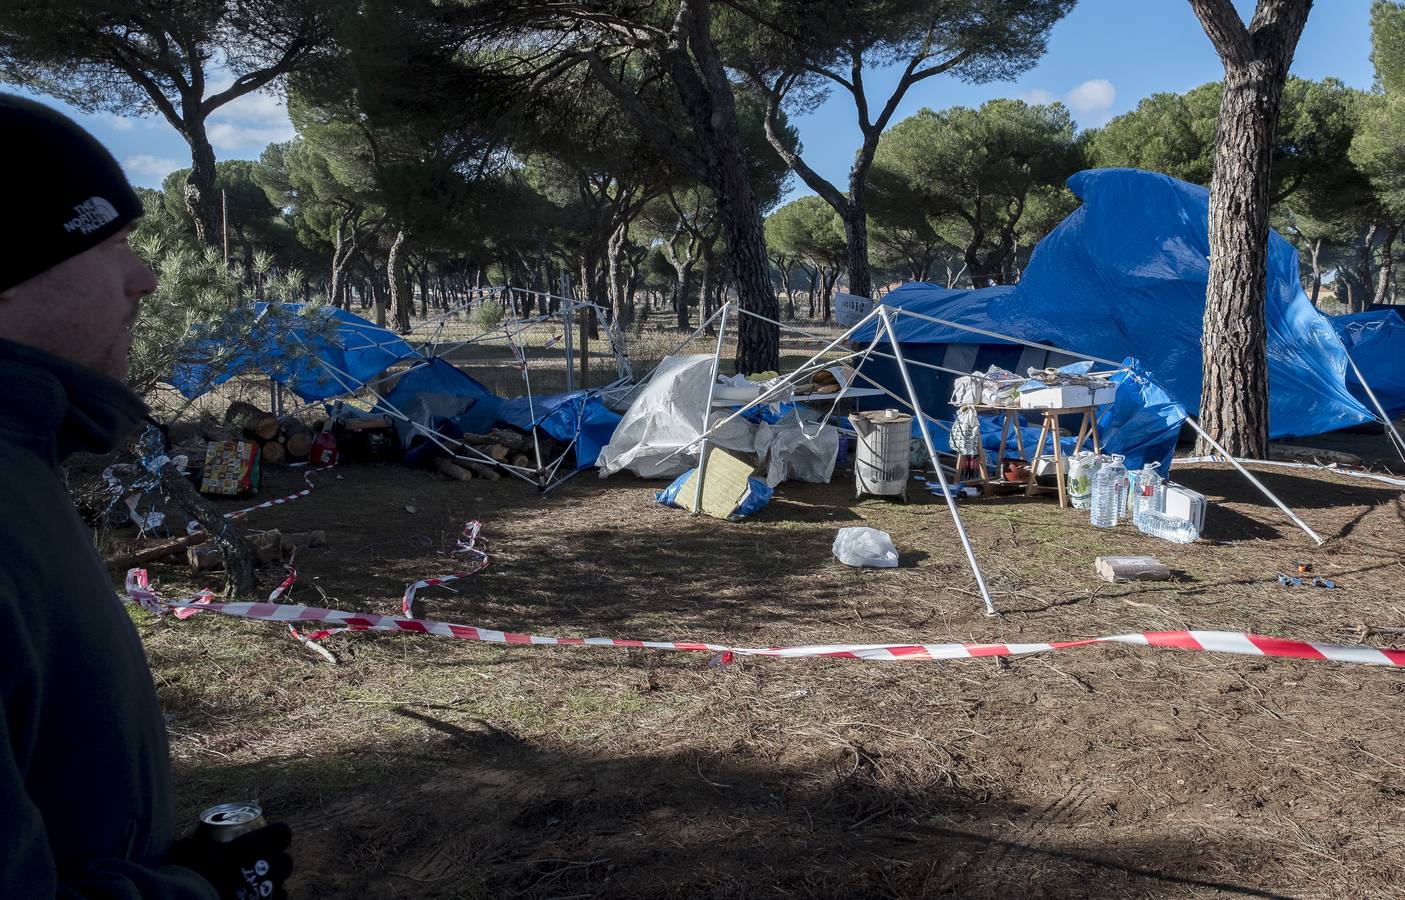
{"x":324,"y":450}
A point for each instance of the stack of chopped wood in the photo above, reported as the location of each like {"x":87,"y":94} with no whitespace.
{"x":502,"y":445}
{"x":288,"y":439}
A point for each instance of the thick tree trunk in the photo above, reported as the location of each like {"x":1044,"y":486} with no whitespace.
{"x":1234,"y":395}
{"x":1316,"y":270}
{"x":400,"y":300}
{"x":616,"y":275}
{"x":202,"y":201}
{"x":1387,"y":263}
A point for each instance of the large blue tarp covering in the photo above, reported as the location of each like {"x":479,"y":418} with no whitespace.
{"x":1376,"y":342}
{"x":1125,"y":275}
{"x":579,"y":415}
{"x":317,"y":352}
{"x":482,"y":409}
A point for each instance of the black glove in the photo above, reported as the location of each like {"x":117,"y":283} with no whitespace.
{"x":253,"y":866}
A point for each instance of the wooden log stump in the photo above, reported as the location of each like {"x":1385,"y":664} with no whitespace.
{"x":1131,"y":568}
{"x":273,"y":452}
{"x":452,"y":470}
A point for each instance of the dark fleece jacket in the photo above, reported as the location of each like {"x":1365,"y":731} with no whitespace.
{"x":85,"y":795}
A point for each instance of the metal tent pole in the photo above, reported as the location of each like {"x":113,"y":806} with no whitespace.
{"x":1249,"y":475}
{"x":936,"y":463}
{"x":1385,"y":417}
{"x":707,"y":409}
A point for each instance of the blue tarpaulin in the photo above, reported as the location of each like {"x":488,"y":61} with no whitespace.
{"x":317,"y":352}
{"x":577,"y":415}
{"x":1376,"y":342}
{"x":1125,"y":275}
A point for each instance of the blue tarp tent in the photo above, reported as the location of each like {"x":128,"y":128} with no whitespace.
{"x":317,"y":352}
{"x":1376,"y":342}
{"x":1125,"y":275}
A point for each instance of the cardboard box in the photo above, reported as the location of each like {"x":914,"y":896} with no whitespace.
{"x":1067,"y":396}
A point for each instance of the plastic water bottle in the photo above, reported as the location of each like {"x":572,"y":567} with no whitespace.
{"x":1109,"y":493}
{"x":1145,"y":493}
{"x":1168,"y":528}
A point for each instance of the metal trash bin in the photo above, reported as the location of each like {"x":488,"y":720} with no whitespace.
{"x":882,"y":457}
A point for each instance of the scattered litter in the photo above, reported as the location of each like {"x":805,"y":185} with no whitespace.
{"x":1304,"y":568}
{"x":1289,"y":580}
{"x":728,"y":491}
{"x":1131,"y":568}
{"x":1321,"y":582}
{"x":861,"y":546}
{"x":410,"y":509}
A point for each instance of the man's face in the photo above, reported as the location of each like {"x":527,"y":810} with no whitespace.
{"x":83,"y":308}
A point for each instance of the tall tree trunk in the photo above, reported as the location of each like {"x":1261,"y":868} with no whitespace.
{"x":1316,"y":247}
{"x":400,"y":300}
{"x":1234,"y":396}
{"x":680,"y":301}
{"x":616,"y":275}
{"x":1387,"y":264}
{"x":202,"y":201}
{"x":377,"y":295}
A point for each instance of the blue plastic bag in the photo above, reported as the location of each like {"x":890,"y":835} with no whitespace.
{"x":757,"y":496}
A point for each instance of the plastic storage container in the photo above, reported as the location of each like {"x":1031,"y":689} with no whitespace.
{"x":1081,"y":469}
{"x":882,"y":456}
{"x":1109,"y":493}
{"x":1183,"y":503}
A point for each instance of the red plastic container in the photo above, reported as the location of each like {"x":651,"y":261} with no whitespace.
{"x":324,"y":450}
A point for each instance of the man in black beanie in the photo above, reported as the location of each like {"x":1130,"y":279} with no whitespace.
{"x":85,"y":796}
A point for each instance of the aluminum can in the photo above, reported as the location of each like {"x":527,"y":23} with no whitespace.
{"x":222,"y":824}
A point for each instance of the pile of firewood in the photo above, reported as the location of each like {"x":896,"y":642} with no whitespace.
{"x":502,"y":445}
{"x":288,"y":439}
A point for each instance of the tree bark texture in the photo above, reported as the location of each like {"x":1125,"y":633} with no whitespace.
{"x":399,"y":291}
{"x":201,"y":198}
{"x":238,"y":555}
{"x":1387,"y":264}
{"x":1234,"y":394}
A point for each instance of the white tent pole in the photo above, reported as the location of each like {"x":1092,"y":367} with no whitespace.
{"x":707,"y":409}
{"x":875,"y":352}
{"x":936,"y":463}
{"x":1249,"y":475}
{"x":1385,"y":418}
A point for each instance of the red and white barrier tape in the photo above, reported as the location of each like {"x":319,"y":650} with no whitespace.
{"x":307,"y":478}
{"x":467,"y":546}
{"x":139,"y":591}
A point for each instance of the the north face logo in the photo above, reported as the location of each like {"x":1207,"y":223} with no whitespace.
{"x":92,"y":214}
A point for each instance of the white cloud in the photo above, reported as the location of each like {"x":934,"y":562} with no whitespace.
{"x":1091,"y":101}
{"x":120,"y":123}
{"x":156,"y":167}
{"x":231,"y":136}
{"x":251,"y":121}
{"x":1037,"y":96}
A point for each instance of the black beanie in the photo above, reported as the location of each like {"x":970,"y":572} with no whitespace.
{"x":64,"y":192}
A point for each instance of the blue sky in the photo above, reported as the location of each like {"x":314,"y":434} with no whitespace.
{"x":1102,"y":58}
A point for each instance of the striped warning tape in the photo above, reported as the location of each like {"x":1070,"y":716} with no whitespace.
{"x":139,"y":590}
{"x":307,"y":478}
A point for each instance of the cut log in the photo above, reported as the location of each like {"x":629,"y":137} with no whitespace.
{"x":269,"y":547}
{"x":273,"y":452}
{"x":496,"y":451}
{"x":1131,"y":568}
{"x":481,"y":471}
{"x":297,"y":540}
{"x":452,"y":470}
{"x":251,"y":420}
{"x":160,"y":551}
{"x":297,"y":437}
{"x":512,"y":440}
{"x":521,"y":460}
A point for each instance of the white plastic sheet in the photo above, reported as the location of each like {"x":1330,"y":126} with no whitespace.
{"x":865,"y":547}
{"x":666,"y":415}
{"x":796,"y":450}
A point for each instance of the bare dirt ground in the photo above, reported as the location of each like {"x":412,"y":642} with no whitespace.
{"x":432,"y":768}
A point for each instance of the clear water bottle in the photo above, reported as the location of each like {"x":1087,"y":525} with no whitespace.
{"x":1146,"y":487}
{"x":1168,"y":528}
{"x":1109,"y":493}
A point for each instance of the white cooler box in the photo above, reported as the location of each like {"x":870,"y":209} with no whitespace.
{"x":1183,"y":503}
{"x":1065,"y":396}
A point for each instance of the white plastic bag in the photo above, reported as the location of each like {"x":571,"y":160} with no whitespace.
{"x":865,"y":547}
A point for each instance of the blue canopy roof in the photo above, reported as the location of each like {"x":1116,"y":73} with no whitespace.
{"x":1376,"y":342}
{"x":1125,"y":275}
{"x":316,"y":351}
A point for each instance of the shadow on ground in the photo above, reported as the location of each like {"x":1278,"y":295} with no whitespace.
{"x":499,"y":817}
